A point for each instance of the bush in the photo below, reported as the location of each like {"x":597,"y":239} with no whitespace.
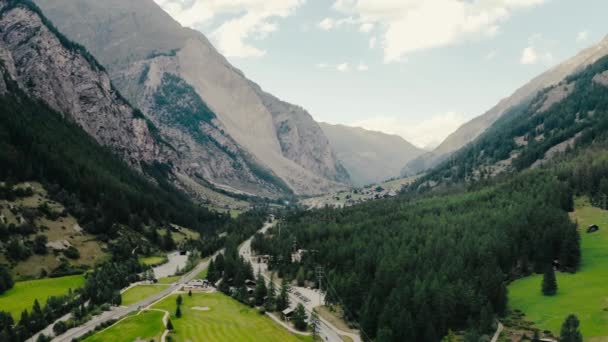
{"x":72,"y":253}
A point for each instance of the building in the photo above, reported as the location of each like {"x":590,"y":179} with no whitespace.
{"x":287,"y":314}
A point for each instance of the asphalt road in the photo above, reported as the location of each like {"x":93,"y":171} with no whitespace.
{"x":328,"y":332}
{"x":119,"y":312}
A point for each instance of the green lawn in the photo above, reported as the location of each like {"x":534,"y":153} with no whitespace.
{"x":146,"y":326}
{"x":141,"y":292}
{"x":152,"y":260}
{"x":584,"y":293}
{"x":227,"y":320}
{"x":24,"y":293}
{"x":169,"y":280}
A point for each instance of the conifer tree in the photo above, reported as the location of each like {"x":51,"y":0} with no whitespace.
{"x":549,"y":286}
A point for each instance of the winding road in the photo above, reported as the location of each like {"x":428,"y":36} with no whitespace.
{"x":327,"y":331}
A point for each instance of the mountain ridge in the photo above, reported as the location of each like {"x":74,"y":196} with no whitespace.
{"x":471,"y":130}
{"x":143,"y":37}
{"x":369,"y":156}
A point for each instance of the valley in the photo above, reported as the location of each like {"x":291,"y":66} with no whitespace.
{"x":150,"y":190}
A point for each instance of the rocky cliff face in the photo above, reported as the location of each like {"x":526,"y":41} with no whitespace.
{"x":48,"y":67}
{"x":139,"y":44}
{"x":368,"y":156}
{"x":474,"y":128}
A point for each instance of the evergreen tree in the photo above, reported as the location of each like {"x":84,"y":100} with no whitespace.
{"x":300,"y":277}
{"x":178,"y":312}
{"x":189,"y":293}
{"x":260,"y":290}
{"x":486,"y":318}
{"x":570,"y":256}
{"x":211,"y":273}
{"x":299,"y":317}
{"x":570,"y":330}
{"x":283,"y":298}
{"x":179,"y":300}
{"x":549,"y":285}
{"x":169,"y":324}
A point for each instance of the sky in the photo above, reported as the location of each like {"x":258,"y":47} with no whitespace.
{"x":416,"y":68}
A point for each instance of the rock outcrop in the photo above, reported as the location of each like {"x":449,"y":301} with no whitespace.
{"x":139,"y":44}
{"x":48,"y":67}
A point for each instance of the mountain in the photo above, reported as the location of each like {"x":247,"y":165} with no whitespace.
{"x":230,"y":133}
{"x":369,"y":156}
{"x":474,"y":128}
{"x":568,"y":116}
{"x":48,"y":67}
{"x":64,"y":125}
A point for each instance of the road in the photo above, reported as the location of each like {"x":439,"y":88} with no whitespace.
{"x":327,"y":331}
{"x":119,"y":312}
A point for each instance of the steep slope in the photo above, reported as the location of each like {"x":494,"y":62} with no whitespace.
{"x":63,"y":75}
{"x":474,"y":128}
{"x":368,"y":156}
{"x":64,"y":124}
{"x":140,"y":44}
{"x":569,"y":115}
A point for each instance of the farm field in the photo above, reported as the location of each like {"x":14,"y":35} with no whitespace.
{"x":141,"y":292}
{"x":225,"y":320}
{"x":24,"y":293}
{"x":145,"y":326}
{"x":584,"y":293}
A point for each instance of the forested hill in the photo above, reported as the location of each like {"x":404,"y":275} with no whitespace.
{"x":571,"y":114}
{"x":410,"y":270}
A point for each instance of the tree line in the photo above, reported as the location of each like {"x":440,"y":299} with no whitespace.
{"x":410,"y":269}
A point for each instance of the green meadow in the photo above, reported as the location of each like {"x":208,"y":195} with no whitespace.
{"x":141,"y":292}
{"x":23,"y":294}
{"x":146,"y":326}
{"x":225,"y":320}
{"x":584,"y":293}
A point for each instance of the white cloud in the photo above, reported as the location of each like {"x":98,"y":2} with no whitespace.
{"x":422,"y":133}
{"x":344,"y":67}
{"x":414,"y":25}
{"x":366,"y":27}
{"x":362,"y":67}
{"x":372,"y":42}
{"x":322,"y":65}
{"x":247,"y":19}
{"x":491,"y":55}
{"x":327,"y":24}
{"x":582,"y":36}
{"x":529,"y":56}
{"x":537,"y":51}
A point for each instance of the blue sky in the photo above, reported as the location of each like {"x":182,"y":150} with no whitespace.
{"x":417,"y":68}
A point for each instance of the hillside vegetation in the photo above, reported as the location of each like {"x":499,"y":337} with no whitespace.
{"x":408,"y":270}
{"x":571,"y":114}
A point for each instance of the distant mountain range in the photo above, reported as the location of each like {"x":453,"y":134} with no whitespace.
{"x":474,"y":128}
{"x":230,"y":134}
{"x":369,"y":156}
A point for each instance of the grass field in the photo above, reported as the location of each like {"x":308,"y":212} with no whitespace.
{"x":141,"y":292}
{"x":584,"y":293}
{"x":169,"y":280}
{"x":24,"y":293}
{"x":152,"y":260}
{"x":227,"y":320}
{"x":146,"y":326}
